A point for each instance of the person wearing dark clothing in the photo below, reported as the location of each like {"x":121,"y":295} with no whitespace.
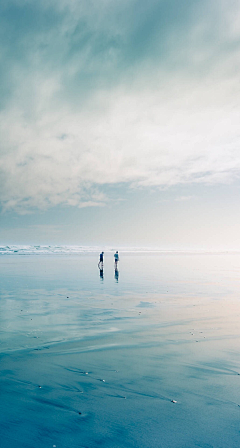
{"x":116,"y":259}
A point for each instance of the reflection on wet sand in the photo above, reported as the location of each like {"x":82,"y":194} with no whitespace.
{"x":116,"y":275}
{"x":86,"y":362}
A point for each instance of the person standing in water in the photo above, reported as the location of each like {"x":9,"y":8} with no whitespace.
{"x":100,"y":264}
{"x":116,"y":259}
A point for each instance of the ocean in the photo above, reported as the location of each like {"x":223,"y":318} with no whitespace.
{"x":146,"y":356}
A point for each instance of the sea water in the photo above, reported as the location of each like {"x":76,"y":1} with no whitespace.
{"x":145,"y":356}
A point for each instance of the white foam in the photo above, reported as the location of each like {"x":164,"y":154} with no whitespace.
{"x":74,"y":249}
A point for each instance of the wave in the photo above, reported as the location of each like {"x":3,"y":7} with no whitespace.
{"x":45,"y":250}
{"x":65,"y":250}
{"x":73,"y":249}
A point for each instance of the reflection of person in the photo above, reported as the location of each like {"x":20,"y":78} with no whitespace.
{"x":116,"y":258}
{"x":116,"y":275}
{"x":101,"y":273}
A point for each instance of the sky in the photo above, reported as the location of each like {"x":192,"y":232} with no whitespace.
{"x":120,"y":123}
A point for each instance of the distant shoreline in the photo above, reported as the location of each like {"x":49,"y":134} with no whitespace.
{"x":79,"y":250}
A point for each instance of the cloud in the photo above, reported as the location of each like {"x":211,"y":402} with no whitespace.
{"x":117,"y":93}
{"x":184,"y":198}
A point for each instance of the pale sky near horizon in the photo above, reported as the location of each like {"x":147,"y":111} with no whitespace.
{"x":120,"y":123}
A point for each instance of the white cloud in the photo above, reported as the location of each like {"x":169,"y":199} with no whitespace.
{"x":148,"y":138}
{"x":150,"y":128}
{"x":184,"y":198}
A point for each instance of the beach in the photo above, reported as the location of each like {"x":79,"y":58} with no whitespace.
{"x":145,"y":357}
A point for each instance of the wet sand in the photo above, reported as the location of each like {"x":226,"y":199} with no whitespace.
{"x":151,"y":359}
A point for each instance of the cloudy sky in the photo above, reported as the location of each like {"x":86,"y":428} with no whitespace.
{"x":120,"y":122}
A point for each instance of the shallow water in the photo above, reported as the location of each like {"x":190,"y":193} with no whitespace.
{"x":146,"y":357}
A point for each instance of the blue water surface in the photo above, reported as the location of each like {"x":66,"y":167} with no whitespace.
{"x":146,"y":356}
